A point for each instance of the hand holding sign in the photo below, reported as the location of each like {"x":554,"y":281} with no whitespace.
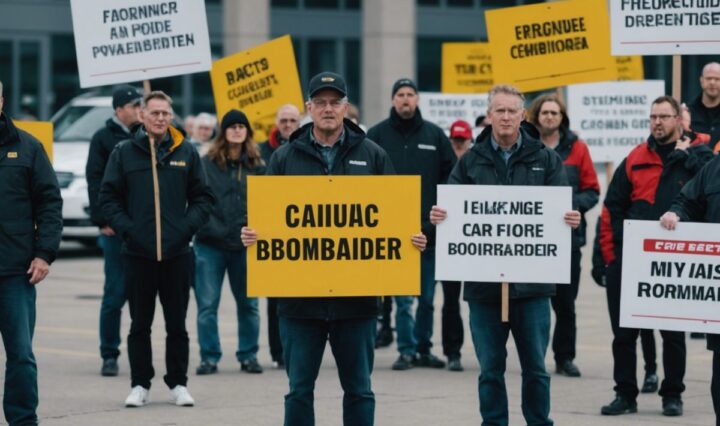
{"x":669,"y":221}
{"x":248,"y":236}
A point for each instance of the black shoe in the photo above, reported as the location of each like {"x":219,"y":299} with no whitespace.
{"x":695,"y":335}
{"x":404,"y":362}
{"x":429,"y":360}
{"x":109,"y":367}
{"x":672,"y":407}
{"x":251,"y":366}
{"x":454,"y":364}
{"x":206,"y":367}
{"x":384,"y":338}
{"x":620,"y":405}
{"x":567,"y":368}
{"x":650,"y":384}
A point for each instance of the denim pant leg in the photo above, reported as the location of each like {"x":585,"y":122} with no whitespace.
{"x":303,"y":343}
{"x":248,"y":316}
{"x":210,"y":265}
{"x":530,"y":325}
{"x":17,"y":324}
{"x":404,"y":325}
{"x":424,"y":315}
{"x":489,"y":338}
{"x":353,"y":345}
{"x":113,"y":298}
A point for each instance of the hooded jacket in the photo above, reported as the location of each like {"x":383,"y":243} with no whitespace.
{"x":31,"y":217}
{"x":127,"y":195}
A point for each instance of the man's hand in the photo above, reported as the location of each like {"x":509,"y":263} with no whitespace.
{"x":683,"y":144}
{"x":437,"y":215}
{"x":107,"y":231}
{"x":39,"y":269}
{"x":248,"y":236}
{"x":669,"y":220}
{"x":419,"y":241}
{"x":572,"y":218}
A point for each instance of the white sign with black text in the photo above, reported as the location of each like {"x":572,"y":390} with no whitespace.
{"x":504,"y":234}
{"x":671,"y":279}
{"x":612,"y":117}
{"x":134,"y":40}
{"x":443,"y":109}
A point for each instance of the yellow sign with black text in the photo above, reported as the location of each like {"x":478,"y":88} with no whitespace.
{"x":630,"y":68}
{"x":547,"y":45}
{"x":42,"y":131}
{"x":258,"y":81}
{"x":466,"y":68}
{"x":332,"y":236}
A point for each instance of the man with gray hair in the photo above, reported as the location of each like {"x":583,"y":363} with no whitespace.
{"x":30,"y":232}
{"x":204,"y":128}
{"x":705,"y":109}
{"x":508,"y":153}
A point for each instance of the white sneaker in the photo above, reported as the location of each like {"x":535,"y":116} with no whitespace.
{"x":138,"y":397}
{"x":180,"y":396}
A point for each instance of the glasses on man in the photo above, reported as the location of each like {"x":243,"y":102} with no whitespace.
{"x":661,"y":117}
{"x":323,"y":103}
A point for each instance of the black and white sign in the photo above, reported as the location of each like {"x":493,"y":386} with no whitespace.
{"x":443,"y":109}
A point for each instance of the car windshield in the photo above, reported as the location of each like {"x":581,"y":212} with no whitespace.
{"x":79,"y":123}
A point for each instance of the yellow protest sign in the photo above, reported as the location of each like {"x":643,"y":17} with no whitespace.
{"x":630,"y":68}
{"x":547,"y":45}
{"x":42,"y":131}
{"x":466,"y":68}
{"x":257,"y":81}
{"x":330,"y":236}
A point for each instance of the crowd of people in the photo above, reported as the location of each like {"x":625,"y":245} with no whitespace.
{"x":171,"y":205}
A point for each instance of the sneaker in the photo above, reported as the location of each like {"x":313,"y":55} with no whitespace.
{"x":138,"y":397}
{"x":109,"y":367}
{"x":620,"y":405}
{"x":650,"y":384}
{"x":251,"y":366}
{"x":567,"y":368}
{"x":206,"y":367}
{"x":404,"y":362}
{"x":429,"y":360}
{"x":454,"y":364}
{"x":672,"y":407}
{"x":180,"y":396}
{"x":384,"y":338}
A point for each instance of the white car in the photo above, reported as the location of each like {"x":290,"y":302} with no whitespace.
{"x":74,"y":126}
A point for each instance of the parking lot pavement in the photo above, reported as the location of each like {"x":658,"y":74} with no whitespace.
{"x":73,"y":393}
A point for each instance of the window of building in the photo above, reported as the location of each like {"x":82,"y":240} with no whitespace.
{"x":352,"y":70}
{"x":284,"y":3}
{"x":428,"y":2}
{"x":495,"y":3}
{"x":322,"y":4}
{"x":65,"y":79}
{"x":352,"y":4}
{"x":461,"y":3}
{"x":322,"y":56}
{"x":429,"y":57}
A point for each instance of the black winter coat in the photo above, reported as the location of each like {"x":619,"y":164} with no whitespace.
{"x":31,"y":213}
{"x":357,"y":156}
{"x":705,"y":120}
{"x":533,"y":164}
{"x":127,"y":195}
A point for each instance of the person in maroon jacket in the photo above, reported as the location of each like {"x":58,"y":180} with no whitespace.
{"x":549,"y":115}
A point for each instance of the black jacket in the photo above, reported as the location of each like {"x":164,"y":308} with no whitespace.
{"x":101,"y":145}
{"x":31,"y":213}
{"x":299,"y":157}
{"x":229,"y":214}
{"x":127,"y":195}
{"x":705,"y":120}
{"x":417,"y":147}
{"x":532,"y":164}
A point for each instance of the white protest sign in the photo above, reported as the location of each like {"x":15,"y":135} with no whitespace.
{"x":504,"y":234}
{"x":133,"y":40}
{"x":612,"y":117}
{"x":671,"y":279}
{"x":664,"y":27}
{"x":443,"y":109}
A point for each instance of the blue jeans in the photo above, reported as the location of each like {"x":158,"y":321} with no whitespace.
{"x":211,"y":264}
{"x":17,"y":324}
{"x":415,"y":334}
{"x":114,"y":297}
{"x":530,"y":325}
{"x":353,"y":344}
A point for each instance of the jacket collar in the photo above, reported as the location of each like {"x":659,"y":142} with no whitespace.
{"x":140,"y":139}
{"x":530,"y":145}
{"x":406,"y":126}
{"x":301,"y":138}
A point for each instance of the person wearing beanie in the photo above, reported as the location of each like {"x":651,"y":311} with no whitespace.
{"x":416,"y":147}
{"x":232,"y":157}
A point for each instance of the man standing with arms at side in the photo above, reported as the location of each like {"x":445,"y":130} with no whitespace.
{"x":549,"y":115}
{"x":126,"y":103}
{"x":155,"y":196}
{"x":416,"y":147}
{"x":507,"y":154}
{"x":30,"y":232}
{"x":705,"y":109}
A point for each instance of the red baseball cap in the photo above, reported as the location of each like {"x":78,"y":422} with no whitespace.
{"x":460,"y":129}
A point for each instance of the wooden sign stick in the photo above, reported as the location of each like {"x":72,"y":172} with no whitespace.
{"x":677,"y":78}
{"x":146,"y":87}
{"x":156,"y":195}
{"x":505,"y":302}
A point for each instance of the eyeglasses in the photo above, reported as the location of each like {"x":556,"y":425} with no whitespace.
{"x":322,"y":103}
{"x":661,"y":117}
{"x":549,"y":112}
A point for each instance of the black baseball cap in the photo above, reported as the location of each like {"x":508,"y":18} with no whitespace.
{"x":327,"y":80}
{"x":403,"y":82}
{"x":125,"y":94}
